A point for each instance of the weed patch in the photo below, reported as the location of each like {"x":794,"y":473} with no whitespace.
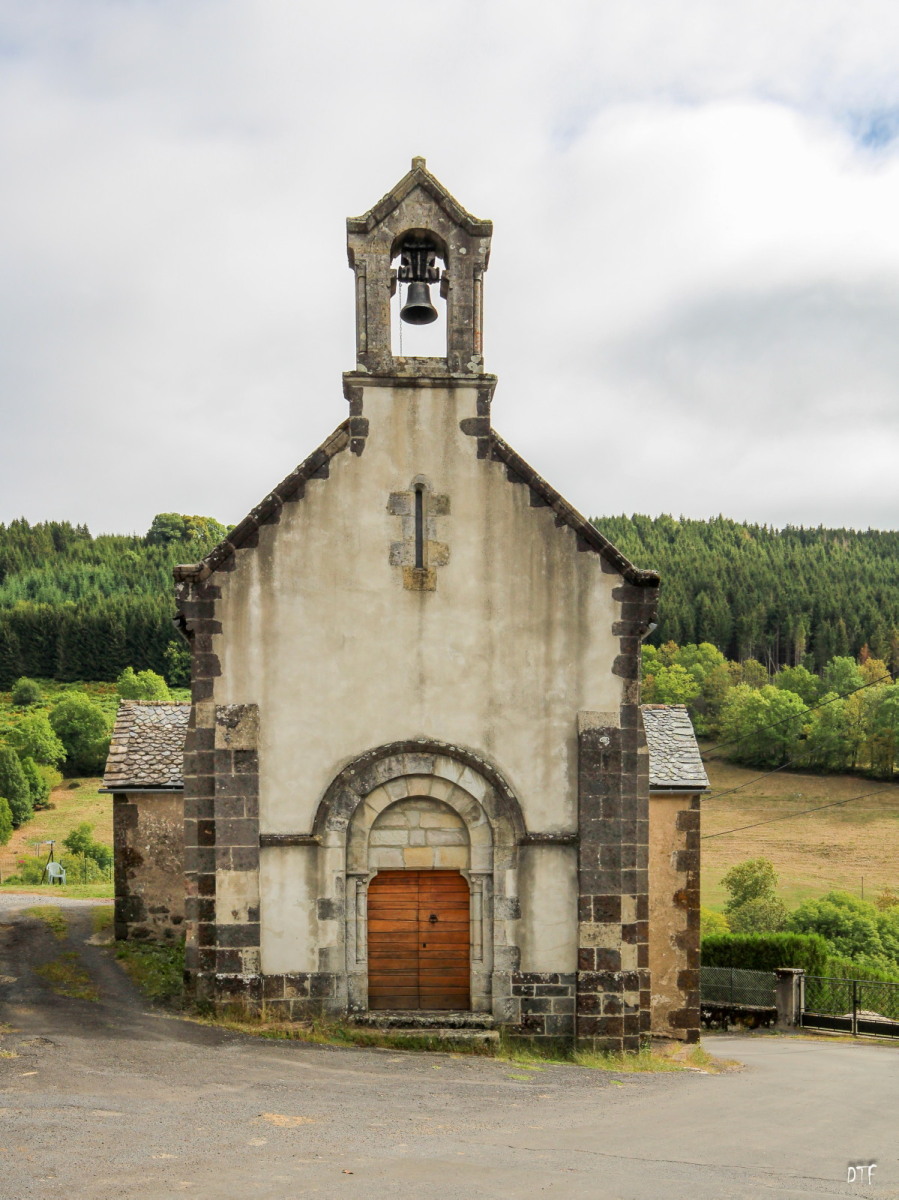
{"x":524,"y":1056}
{"x":68,"y":978}
{"x":157,"y":970}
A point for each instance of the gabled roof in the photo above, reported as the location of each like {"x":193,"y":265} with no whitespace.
{"x":419,"y":176}
{"x":147,"y":747}
{"x":316,"y":466}
{"x":674,"y":758}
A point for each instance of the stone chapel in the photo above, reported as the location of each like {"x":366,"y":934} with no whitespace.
{"x":415,"y":775}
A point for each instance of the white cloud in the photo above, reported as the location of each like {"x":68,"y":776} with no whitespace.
{"x":695,"y":279}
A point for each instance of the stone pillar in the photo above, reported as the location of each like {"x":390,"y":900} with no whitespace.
{"x":788,"y":996}
{"x":613,"y":996}
{"x":196,"y":607}
{"x":237,"y":928}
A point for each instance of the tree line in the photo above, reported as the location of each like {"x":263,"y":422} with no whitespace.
{"x":844,"y":719}
{"x":74,"y":606}
{"x":792,"y":596}
{"x":836,"y":934}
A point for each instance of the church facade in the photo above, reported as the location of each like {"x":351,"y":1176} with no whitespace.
{"x":415,"y":772}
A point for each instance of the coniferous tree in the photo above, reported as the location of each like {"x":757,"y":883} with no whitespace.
{"x":14,"y":786}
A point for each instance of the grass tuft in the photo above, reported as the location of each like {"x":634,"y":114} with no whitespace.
{"x":102,"y":917}
{"x":68,"y":978}
{"x":52,"y":916}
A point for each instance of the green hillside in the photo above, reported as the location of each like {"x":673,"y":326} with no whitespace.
{"x":784,"y":596}
{"x":74,"y":606}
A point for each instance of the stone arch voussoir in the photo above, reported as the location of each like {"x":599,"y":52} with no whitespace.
{"x":462,"y":769}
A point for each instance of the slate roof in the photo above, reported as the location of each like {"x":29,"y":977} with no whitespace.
{"x":148,"y":746}
{"x":674,"y":758}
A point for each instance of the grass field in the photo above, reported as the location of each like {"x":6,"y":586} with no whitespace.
{"x":72,"y":806}
{"x":836,"y":848}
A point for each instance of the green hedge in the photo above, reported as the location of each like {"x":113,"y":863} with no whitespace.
{"x":847,"y":968}
{"x":766,"y":951}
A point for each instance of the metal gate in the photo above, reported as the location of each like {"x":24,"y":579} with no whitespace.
{"x":855,"y":1006}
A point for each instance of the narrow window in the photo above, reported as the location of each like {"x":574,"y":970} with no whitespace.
{"x":419,"y":528}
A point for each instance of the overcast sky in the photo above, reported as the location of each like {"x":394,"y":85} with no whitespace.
{"x":693,"y":296}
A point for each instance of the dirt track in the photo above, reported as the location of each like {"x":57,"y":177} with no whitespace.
{"x":107,"y":1099}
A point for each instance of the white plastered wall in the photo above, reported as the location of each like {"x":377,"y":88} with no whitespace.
{"x":320,"y":632}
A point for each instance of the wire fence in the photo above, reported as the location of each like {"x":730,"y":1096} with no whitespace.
{"x":731,"y":985}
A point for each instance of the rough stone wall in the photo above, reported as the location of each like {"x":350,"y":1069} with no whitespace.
{"x":543,"y":1004}
{"x":674,"y":915}
{"x":613,"y":982}
{"x":148,"y":831}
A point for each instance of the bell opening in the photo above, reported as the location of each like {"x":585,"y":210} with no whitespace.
{"x":418,"y":311}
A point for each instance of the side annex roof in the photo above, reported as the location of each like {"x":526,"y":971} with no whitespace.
{"x":148,"y":748}
{"x":675,"y":761}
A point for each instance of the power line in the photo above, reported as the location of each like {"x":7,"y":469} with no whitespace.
{"x":754,"y":779}
{"x":796,"y":716}
{"x":789,"y":816}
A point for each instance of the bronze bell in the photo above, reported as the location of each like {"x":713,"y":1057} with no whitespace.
{"x":418,"y":309}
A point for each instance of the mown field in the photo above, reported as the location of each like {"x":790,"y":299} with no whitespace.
{"x":852,"y":847}
{"x":847,"y":846}
{"x":75,"y":801}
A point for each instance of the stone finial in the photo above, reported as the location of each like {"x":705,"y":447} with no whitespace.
{"x":417,"y":162}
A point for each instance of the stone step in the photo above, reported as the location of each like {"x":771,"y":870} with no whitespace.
{"x":467,"y":1037}
{"x":418,"y":1021}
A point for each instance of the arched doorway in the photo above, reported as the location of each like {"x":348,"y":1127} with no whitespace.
{"x":375,"y":818}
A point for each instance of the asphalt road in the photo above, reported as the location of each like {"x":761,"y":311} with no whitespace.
{"x":106,"y":1099}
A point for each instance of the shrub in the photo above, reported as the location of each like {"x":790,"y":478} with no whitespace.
{"x":754,"y":879}
{"x":145,"y":685}
{"x":177,"y":664}
{"x":30,"y":870}
{"x":83,"y":729}
{"x":81,"y":868}
{"x":5,"y":821}
{"x":14,"y":786}
{"x":80,"y":842}
{"x":766,"y":951}
{"x":38,"y":786}
{"x":764,"y":914}
{"x":26,"y":691}
{"x":848,"y":924}
{"x":888,"y":929}
{"x":711,"y":922}
{"x":34,"y":738}
{"x":853,"y":968}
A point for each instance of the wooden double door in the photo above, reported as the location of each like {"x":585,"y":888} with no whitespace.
{"x":418,"y":941}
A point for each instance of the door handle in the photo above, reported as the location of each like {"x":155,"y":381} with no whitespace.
{"x":433,"y":918}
